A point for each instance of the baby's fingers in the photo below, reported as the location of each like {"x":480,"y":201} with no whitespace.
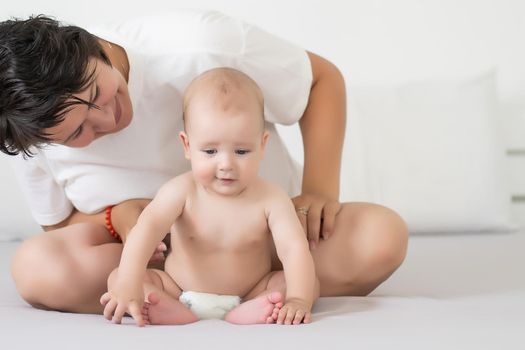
{"x":136,"y":312}
{"x":282,"y":315}
{"x":290,"y":316}
{"x":299,"y":317}
{"x":109,"y":309}
{"x":307,"y":317}
{"x":105,"y":298}
{"x":119,"y":313}
{"x":286,"y":315}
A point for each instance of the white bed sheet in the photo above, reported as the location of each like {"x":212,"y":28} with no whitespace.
{"x":452,"y":292}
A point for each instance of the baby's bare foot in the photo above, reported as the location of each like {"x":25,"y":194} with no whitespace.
{"x":263,"y":309}
{"x":163,"y":309}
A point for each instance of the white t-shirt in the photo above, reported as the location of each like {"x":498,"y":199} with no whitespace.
{"x":165,"y":53}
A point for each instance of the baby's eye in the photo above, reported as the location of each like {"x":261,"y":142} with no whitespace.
{"x":210,"y":151}
{"x":242,"y":151}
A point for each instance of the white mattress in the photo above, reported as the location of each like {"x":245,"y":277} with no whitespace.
{"x":453,"y":292}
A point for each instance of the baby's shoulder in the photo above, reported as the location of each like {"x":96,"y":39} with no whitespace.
{"x":183,"y":183}
{"x":272,"y":194}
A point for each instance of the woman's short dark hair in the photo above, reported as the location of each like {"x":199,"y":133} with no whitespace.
{"x":42,"y":64}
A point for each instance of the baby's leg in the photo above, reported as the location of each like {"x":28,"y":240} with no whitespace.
{"x":262,"y":303}
{"x":162,"y":300}
{"x":162,"y":305}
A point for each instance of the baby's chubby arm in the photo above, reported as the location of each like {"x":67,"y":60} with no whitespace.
{"x":293,"y":251}
{"x":127,"y":294}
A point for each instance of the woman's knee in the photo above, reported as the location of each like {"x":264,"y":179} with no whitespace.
{"x":384,"y":239}
{"x":38,"y":269}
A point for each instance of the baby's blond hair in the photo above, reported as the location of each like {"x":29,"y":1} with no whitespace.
{"x":222,"y":82}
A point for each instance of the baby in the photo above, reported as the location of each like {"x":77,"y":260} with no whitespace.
{"x":223,"y":220}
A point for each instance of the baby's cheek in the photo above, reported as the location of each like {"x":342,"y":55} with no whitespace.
{"x":251,"y":169}
{"x":203,"y":174}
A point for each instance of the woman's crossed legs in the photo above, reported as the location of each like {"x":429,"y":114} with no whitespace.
{"x":67,"y":269}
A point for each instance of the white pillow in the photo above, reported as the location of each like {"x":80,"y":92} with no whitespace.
{"x":432,"y":152}
{"x":428,"y":150}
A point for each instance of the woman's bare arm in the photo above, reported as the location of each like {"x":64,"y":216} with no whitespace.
{"x":123,"y":217}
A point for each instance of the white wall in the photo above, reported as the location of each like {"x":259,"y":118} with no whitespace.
{"x":372,"y":41}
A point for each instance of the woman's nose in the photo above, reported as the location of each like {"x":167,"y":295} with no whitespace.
{"x":103,"y":119}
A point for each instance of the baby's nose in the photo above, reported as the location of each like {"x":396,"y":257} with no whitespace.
{"x":226,"y":163}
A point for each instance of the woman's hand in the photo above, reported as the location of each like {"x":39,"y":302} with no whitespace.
{"x":158,"y":256}
{"x":317,"y":216}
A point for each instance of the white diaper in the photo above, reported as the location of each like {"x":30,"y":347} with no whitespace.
{"x":206,"y":305}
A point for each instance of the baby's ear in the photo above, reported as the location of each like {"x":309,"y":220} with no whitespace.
{"x":185,"y":143}
{"x":264,"y":139}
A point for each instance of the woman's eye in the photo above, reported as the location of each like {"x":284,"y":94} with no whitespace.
{"x":78,"y":132}
{"x":95,"y":96}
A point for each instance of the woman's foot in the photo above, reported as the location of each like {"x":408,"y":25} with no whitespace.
{"x":163,"y":309}
{"x":263,"y":309}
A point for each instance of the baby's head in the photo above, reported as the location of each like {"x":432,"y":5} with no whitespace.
{"x":224,"y":134}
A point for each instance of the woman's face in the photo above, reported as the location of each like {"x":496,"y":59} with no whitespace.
{"x":83,"y":124}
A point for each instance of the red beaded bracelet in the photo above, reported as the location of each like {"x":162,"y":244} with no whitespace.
{"x":109,"y":226}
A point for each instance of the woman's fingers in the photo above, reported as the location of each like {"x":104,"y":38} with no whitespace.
{"x":161,"y":247}
{"x":317,"y":216}
{"x":158,"y":254}
{"x":303,"y":220}
{"x":157,"y":257}
{"x":330,"y":211}
{"x":314,"y":222}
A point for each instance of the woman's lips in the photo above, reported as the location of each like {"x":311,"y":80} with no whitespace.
{"x":118,"y":110}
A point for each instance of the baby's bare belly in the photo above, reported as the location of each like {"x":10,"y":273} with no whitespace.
{"x":224,"y":272}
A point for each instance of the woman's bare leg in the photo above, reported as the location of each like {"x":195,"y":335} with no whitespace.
{"x":368,"y":245}
{"x":66,"y":269}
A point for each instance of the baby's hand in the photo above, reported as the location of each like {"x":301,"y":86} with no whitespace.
{"x":116,"y":304}
{"x":294,"y":311}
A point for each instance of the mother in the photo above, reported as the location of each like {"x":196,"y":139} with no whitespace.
{"x":92,"y":118}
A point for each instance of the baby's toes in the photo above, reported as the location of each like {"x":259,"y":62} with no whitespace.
{"x":145,"y":314}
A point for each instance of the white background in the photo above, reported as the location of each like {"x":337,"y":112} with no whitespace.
{"x":372,"y":42}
